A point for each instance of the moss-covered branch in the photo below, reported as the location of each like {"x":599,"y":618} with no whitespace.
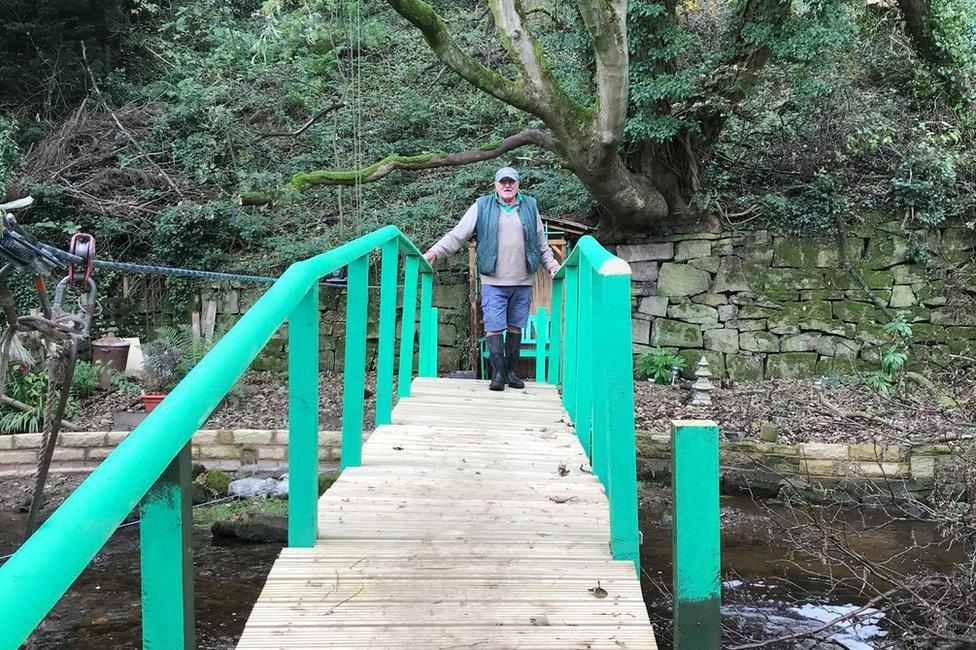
{"x":422,"y":16}
{"x":383,"y":167}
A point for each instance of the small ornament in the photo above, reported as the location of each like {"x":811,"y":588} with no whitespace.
{"x":702,"y":387}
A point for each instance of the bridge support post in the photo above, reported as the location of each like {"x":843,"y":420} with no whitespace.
{"x":696,"y":543}
{"x":303,"y":421}
{"x":387,"y":333}
{"x":427,"y":323}
{"x":570,"y":375}
{"x":555,"y":332}
{"x":166,"y":558}
{"x":541,"y":340}
{"x":408,"y":325}
{"x":354,"y":368}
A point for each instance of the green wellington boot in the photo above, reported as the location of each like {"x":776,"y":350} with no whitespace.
{"x":513,"y":342}
{"x":496,"y":357}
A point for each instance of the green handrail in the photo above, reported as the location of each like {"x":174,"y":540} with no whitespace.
{"x":591,"y":356}
{"x":148,"y":467}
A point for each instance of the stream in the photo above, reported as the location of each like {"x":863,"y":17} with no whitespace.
{"x":102,"y":608}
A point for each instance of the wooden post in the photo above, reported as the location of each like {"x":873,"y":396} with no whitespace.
{"x":696,"y":544}
{"x":408,"y":325}
{"x":387,"y":333}
{"x":354,"y":369}
{"x":166,"y":556}
{"x":303,"y":421}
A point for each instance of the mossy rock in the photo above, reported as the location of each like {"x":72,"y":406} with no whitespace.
{"x":804,"y":253}
{"x":744,"y":368}
{"x":682,"y":280}
{"x":326,"y":479}
{"x":791,"y":365}
{"x":758,"y":342}
{"x":216,"y":481}
{"x":716,"y":363}
{"x":732,"y":276}
{"x":676,"y":333}
{"x":853,"y":311}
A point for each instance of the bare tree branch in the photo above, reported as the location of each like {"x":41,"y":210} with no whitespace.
{"x":312,"y":120}
{"x":435,"y":32}
{"x":820,"y":628}
{"x":606,"y":23}
{"x":379,"y":169}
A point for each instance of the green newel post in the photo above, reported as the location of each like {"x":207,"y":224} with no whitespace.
{"x":541,"y":335}
{"x":696,"y":544}
{"x":408,"y":325}
{"x":572,"y":336}
{"x":583,"y":413}
{"x":166,"y":556}
{"x":303,"y":420}
{"x":384,"y":363}
{"x":599,"y":398}
{"x":426,"y":313}
{"x":617,"y":424}
{"x":555,"y":331}
{"x":354,"y":368}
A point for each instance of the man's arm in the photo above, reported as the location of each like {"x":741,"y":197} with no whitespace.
{"x":547,"y":258}
{"x":457,"y":237}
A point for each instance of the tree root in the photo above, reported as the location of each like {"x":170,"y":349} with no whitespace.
{"x":860,"y":415}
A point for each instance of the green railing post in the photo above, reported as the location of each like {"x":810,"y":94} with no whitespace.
{"x":618,"y":392}
{"x":432,"y":325}
{"x":303,"y":421}
{"x":354,"y":368}
{"x":426,"y":300}
{"x":541,"y":338}
{"x":408,"y":325}
{"x":599,"y":401}
{"x":697,"y":537}
{"x":166,"y":557}
{"x":387,"y":333}
{"x":31,"y":582}
{"x":555,"y":331}
{"x":583,"y":417}
{"x":572,"y":338}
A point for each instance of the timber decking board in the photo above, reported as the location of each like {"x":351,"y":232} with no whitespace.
{"x":473,"y":522}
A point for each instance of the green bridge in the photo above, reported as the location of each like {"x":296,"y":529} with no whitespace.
{"x":467,"y":519}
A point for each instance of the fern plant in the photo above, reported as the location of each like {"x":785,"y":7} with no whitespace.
{"x":31,"y":389}
{"x":171,"y":355}
{"x":888,"y":379}
{"x":660,"y":365}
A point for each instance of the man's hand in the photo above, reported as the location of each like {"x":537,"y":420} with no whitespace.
{"x":430,"y":256}
{"x":553,"y":270}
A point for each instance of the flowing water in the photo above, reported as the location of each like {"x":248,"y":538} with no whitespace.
{"x":101,"y":610}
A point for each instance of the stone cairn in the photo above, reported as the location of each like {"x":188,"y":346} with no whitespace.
{"x":702,"y":387}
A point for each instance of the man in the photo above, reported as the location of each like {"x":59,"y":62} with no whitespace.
{"x":511,"y":246}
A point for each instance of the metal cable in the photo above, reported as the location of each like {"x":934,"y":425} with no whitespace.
{"x":148,"y":269}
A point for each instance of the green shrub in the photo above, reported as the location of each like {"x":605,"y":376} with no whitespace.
{"x":659,"y":365}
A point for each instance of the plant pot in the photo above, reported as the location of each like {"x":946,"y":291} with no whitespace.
{"x":151,"y":400}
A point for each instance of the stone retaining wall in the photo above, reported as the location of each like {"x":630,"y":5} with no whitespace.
{"x":913,"y":467}
{"x":225,"y":448}
{"x":760,"y":305}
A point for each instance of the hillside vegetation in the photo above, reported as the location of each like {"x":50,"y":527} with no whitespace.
{"x":175,"y":130}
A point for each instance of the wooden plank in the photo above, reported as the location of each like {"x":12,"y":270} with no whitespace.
{"x":474,"y":521}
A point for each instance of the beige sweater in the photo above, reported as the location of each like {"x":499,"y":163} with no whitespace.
{"x":510,"y":269}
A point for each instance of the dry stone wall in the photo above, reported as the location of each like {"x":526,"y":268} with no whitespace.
{"x":761,"y":305}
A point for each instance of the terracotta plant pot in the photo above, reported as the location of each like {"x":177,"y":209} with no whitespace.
{"x":151,"y":400}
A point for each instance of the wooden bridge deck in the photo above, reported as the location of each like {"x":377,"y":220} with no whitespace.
{"x":472,"y":523}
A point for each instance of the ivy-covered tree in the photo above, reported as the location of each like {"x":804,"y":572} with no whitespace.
{"x":663,"y":78}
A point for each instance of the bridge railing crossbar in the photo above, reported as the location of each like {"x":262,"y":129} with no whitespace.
{"x":151,"y":467}
{"x":590,"y":354}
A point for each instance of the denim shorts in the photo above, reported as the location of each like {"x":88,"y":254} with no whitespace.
{"x":505,"y":306}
